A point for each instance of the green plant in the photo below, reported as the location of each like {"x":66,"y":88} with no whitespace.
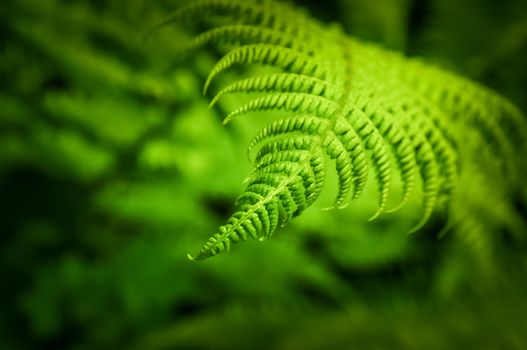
{"x":361,"y":106}
{"x":112,"y":166}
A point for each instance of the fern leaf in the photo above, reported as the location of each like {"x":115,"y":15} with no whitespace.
{"x":282,"y":82}
{"x":243,"y":34}
{"x":376,"y":145}
{"x":355,"y":104}
{"x":273,"y":55}
{"x":355,"y":148}
{"x":291,"y":102}
{"x":429,"y":170}
{"x":304,"y":124}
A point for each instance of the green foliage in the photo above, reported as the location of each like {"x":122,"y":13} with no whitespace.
{"x":112,"y":165}
{"x":354,"y":103}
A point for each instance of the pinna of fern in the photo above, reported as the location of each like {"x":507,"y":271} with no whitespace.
{"x":368,"y":110}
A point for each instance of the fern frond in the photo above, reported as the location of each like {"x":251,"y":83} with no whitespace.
{"x":200,"y":9}
{"x":282,"y":82}
{"x":243,"y":34}
{"x":291,"y":102}
{"x":288,"y":176}
{"x":367,"y":111}
{"x":357,"y":152}
{"x":272,"y":55}
{"x":303,"y":124}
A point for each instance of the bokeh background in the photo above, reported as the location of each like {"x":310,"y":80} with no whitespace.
{"x":113,"y":168}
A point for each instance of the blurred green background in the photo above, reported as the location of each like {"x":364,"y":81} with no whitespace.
{"x":112,"y":168}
